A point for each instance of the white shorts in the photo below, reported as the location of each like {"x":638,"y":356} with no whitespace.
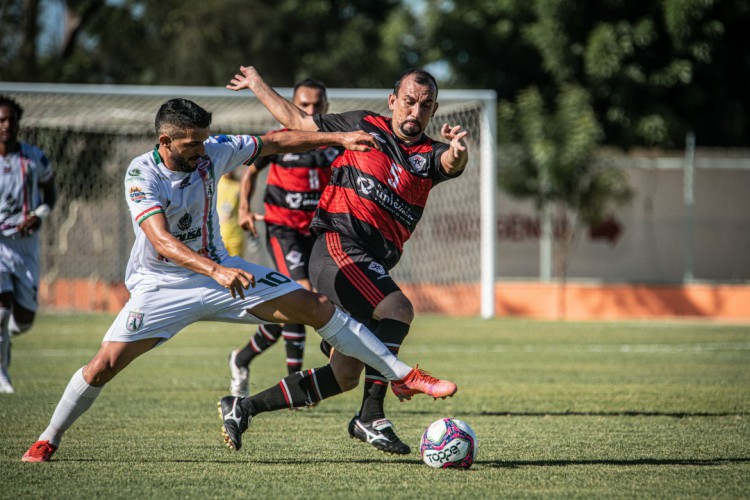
{"x":19,"y":269}
{"x":162,"y":311}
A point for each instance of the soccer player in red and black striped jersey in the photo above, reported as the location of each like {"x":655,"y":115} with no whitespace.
{"x":293,"y":188}
{"x":366,"y":213}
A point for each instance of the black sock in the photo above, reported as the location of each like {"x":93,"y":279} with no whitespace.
{"x":392,"y":333}
{"x":295,"y":391}
{"x":265,"y":337}
{"x":294,"y":340}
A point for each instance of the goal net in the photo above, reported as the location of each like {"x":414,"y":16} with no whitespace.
{"x":91,"y":133}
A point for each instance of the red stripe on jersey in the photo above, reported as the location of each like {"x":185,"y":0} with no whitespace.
{"x":345,"y":201}
{"x":278,"y":255}
{"x":413,"y":189}
{"x":298,"y":179}
{"x":299,"y":220}
{"x":353,"y":273}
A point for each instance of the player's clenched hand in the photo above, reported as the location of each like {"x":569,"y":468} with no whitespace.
{"x":29,"y":226}
{"x":245,"y":79}
{"x":359,"y":141}
{"x":456,"y":137}
{"x":235,"y":280}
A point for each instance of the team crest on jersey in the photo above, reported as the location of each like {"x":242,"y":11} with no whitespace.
{"x":418,"y":163}
{"x":374,"y":266}
{"x":185,"y":222}
{"x":294,"y":258}
{"x":365,"y":185}
{"x":294,"y":200}
{"x":136,"y":194}
{"x":135,"y":320}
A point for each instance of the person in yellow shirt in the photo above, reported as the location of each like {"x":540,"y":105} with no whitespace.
{"x":228,"y":204}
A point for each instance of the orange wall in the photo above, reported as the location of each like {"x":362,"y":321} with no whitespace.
{"x":573,"y":301}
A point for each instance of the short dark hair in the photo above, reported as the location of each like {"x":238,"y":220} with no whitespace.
{"x":13,"y":105}
{"x":177,"y":115}
{"x":421,"y":76}
{"x":312,"y":83}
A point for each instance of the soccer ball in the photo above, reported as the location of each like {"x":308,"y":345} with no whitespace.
{"x":449,"y":442}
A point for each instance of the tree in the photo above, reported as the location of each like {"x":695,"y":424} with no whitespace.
{"x":654,"y":70}
{"x":554,"y":164}
{"x":346,"y":43}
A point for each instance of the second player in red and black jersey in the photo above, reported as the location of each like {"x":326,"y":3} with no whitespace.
{"x":368,"y":211}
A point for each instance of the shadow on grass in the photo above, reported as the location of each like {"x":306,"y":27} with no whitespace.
{"x":250,"y":460}
{"x":625,"y":413}
{"x":514,"y":464}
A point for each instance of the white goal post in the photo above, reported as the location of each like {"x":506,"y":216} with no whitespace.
{"x":91,"y":132}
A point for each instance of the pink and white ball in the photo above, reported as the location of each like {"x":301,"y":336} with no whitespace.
{"x":449,"y":443}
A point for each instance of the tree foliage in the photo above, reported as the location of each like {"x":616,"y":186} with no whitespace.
{"x":555,"y":160}
{"x":654,"y":70}
{"x":346,"y":43}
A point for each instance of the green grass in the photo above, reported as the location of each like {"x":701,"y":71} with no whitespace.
{"x":560,"y":410}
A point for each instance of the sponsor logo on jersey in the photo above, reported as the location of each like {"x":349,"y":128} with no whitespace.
{"x":185,"y":222}
{"x":290,"y":157}
{"x":136,"y":194}
{"x":294,"y":200}
{"x":134,"y":172}
{"x":374,"y":266}
{"x":377,"y":137}
{"x":193,"y":234}
{"x":365,"y":185}
{"x":8,"y":169}
{"x":135,"y":320}
{"x":294,"y":258}
{"x":418,"y":163}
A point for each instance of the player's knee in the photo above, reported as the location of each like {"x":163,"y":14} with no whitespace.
{"x":396,"y":306}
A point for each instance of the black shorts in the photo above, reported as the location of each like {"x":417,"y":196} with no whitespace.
{"x":348,"y":275}
{"x":290,"y":250}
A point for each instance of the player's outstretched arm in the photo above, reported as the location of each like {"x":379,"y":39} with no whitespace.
{"x":283,"y":110}
{"x":246,"y":217}
{"x":298,"y":141}
{"x":455,"y":159}
{"x":157,"y":231}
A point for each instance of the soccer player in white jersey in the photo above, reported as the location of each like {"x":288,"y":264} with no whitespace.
{"x":179,"y":272}
{"x":27,"y":195}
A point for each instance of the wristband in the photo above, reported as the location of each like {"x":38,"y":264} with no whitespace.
{"x":42,"y":211}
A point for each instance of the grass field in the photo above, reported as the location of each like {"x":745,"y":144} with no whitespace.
{"x":560,"y":410}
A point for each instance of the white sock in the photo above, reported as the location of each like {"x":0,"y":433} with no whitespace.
{"x":77,"y":398}
{"x":352,"y":338}
{"x":4,"y":338}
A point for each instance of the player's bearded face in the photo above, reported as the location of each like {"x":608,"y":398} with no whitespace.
{"x":412,"y":109}
{"x":185,"y":152}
